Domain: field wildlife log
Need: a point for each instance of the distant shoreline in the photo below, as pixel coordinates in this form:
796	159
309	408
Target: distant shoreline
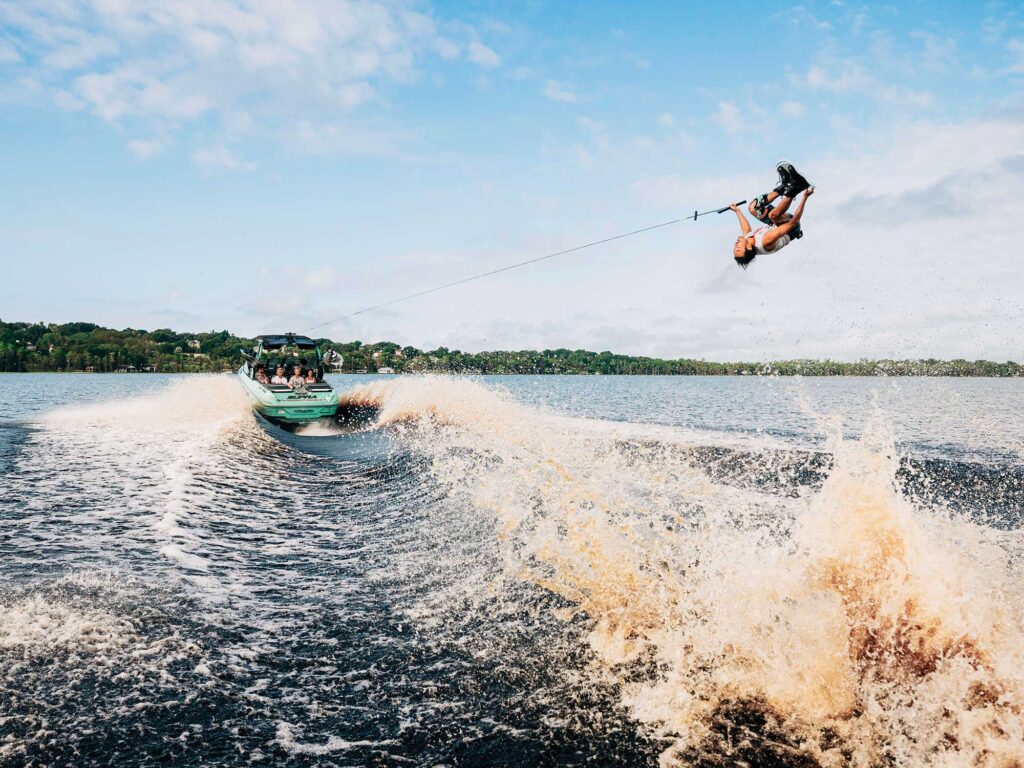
769	374
89	348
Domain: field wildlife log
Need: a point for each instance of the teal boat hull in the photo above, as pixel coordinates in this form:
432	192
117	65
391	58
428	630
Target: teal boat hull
291	407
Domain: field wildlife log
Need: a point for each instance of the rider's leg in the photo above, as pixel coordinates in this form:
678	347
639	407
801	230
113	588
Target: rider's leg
778	214
761	207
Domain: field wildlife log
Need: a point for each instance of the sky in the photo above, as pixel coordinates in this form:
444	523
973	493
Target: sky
271	165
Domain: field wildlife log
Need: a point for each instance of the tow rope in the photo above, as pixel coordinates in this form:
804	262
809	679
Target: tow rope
471	278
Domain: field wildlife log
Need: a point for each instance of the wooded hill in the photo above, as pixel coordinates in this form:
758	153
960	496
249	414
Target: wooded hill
26	347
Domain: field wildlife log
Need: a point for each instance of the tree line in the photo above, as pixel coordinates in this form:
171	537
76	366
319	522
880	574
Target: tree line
32	347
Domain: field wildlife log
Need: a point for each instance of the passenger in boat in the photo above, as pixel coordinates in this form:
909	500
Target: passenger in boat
311	376
297	379
279	377
261	374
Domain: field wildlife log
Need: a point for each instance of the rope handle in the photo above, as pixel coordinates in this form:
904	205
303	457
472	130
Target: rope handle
717	210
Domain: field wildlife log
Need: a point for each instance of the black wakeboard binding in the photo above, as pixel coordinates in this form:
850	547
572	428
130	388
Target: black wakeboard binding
761	208
795	182
781	169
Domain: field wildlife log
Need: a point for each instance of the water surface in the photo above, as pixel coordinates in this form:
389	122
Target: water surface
540	571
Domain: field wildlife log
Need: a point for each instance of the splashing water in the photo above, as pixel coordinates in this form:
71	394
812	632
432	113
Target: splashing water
525	583
851	625
199	405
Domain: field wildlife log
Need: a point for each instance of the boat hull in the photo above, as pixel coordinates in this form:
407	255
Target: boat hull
292	407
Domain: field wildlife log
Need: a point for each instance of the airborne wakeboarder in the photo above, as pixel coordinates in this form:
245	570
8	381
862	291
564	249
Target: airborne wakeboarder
781	227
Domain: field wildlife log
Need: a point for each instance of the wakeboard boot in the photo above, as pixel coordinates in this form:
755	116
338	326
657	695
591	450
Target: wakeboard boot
781	168
761	208
796	182
784	180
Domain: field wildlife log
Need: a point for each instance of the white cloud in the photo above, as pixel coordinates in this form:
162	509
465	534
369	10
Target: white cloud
598	133
854	78
1015	48
129	93
8	53
146	148
319	278
626	150
728	117
937	54
80	49
351	95
67	100
584	158
555	91
497	27
206	42
351	137
220	158
799	16
156	66
818	77
992	29
480	54
792	108
665	120
445	48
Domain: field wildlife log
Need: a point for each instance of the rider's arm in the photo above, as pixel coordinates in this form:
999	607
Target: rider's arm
774	233
744	224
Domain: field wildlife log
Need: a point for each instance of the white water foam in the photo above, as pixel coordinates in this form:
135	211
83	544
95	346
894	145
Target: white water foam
145	452
286	738
859	627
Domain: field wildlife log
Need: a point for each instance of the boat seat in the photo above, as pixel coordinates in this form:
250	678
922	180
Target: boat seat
320	386
278	387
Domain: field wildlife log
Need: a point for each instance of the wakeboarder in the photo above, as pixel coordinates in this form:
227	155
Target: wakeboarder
781	227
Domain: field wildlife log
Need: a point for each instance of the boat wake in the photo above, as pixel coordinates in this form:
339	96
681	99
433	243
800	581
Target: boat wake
562	589
850	625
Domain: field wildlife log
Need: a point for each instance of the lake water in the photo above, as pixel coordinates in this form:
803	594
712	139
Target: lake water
601	571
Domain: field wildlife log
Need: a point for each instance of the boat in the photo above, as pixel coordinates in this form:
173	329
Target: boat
280	404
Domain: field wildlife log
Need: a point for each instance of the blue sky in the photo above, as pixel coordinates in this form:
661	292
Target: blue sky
264	166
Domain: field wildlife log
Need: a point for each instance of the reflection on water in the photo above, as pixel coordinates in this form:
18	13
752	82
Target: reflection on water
519	571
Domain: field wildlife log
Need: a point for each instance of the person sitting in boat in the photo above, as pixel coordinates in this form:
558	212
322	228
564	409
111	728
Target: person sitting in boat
297	379
279	377
261	374
311	376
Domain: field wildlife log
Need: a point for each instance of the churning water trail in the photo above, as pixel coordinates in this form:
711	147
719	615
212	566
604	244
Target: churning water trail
508	585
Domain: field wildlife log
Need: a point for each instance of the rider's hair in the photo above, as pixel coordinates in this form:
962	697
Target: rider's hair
746	258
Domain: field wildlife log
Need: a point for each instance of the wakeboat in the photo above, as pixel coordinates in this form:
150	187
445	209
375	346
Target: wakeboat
281	404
